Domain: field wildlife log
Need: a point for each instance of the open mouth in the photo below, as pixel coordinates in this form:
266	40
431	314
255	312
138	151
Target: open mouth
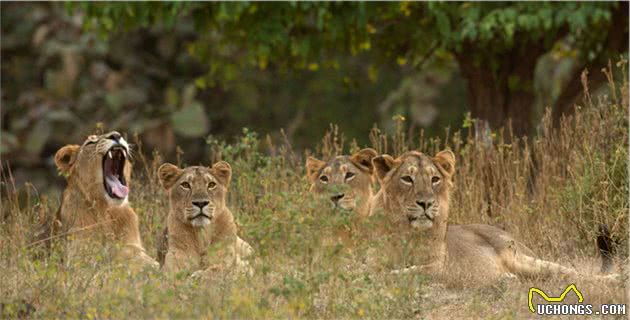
113	168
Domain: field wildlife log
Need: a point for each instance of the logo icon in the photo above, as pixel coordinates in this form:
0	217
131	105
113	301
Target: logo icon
552	299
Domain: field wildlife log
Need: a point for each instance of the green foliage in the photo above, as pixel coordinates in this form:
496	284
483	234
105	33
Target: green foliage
311	35
497	26
190	121
61	80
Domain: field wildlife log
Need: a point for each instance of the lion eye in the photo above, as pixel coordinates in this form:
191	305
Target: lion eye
407	179
212	184
435	179
91	139
323	179
185	185
349	175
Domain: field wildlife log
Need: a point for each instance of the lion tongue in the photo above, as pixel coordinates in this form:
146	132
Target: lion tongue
118	189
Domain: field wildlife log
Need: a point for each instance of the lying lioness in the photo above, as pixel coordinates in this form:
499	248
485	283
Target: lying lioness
415	192
95	201
199	221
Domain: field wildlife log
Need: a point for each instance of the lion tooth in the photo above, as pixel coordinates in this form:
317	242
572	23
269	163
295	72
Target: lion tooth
125	153
109	154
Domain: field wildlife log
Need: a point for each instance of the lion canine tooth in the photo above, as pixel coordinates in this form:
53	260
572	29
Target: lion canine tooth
109	154
125	153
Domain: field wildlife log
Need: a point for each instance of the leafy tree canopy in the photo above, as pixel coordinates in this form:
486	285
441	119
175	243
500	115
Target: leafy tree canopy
311	35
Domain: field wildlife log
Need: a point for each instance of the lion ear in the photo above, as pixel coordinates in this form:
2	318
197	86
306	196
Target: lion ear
223	172
168	174
383	164
312	167
446	161
65	158
363	159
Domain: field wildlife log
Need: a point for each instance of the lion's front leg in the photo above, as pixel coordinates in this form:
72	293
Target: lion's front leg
243	249
240	252
177	261
125	229
137	256
228	259
209	273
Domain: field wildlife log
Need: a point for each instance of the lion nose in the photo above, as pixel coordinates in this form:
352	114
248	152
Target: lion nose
425	204
114	136
201	204
337	197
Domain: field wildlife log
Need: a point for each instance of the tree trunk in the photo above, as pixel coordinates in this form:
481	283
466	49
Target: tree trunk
500	88
501	93
616	41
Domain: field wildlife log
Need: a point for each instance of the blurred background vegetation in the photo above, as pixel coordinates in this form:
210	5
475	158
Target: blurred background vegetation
177	74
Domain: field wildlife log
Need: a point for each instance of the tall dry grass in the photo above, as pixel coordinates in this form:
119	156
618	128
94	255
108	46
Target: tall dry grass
552	191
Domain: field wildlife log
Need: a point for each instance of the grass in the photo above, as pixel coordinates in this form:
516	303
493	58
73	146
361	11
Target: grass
551	191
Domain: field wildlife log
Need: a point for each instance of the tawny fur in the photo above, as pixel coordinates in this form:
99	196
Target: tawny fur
346	176
392	195
477	252
189	244
86	211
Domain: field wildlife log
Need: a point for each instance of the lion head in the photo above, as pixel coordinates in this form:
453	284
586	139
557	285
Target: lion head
100	168
415	187
196	193
345	180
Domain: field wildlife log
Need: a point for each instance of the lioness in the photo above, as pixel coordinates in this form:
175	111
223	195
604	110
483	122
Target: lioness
199	219
95	201
415	192
345	180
